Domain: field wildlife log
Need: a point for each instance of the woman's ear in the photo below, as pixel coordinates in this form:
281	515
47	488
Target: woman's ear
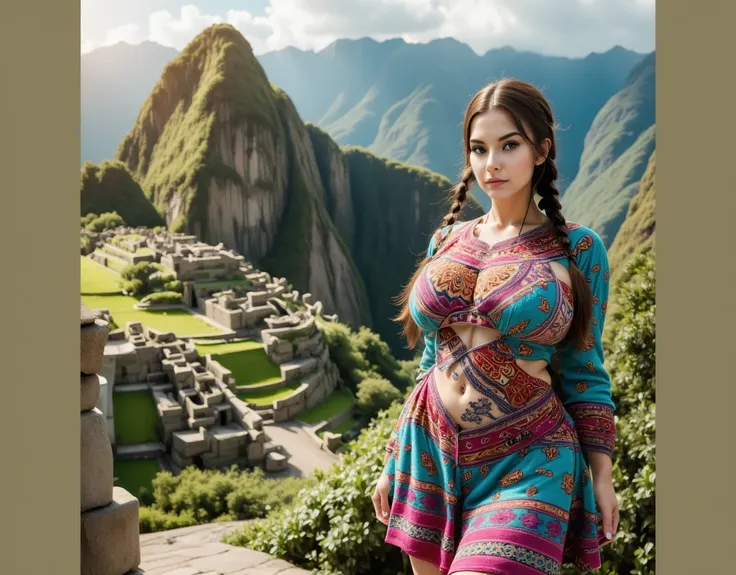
546	145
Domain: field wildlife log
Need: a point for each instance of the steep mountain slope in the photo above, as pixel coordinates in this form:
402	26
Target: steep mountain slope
111	187
617	149
637	233
406	101
115	81
225	156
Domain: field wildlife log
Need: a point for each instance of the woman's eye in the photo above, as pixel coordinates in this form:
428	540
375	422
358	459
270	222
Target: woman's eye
477	149
510	145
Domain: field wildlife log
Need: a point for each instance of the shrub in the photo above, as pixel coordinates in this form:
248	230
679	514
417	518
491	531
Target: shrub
89	218
140	271
171	297
630	360
105	221
203	496
174	285
134	287
376	394
152	520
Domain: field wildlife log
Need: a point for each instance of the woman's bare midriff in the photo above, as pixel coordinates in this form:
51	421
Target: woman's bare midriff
467	406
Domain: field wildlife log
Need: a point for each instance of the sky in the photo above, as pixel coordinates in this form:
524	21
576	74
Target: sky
572	28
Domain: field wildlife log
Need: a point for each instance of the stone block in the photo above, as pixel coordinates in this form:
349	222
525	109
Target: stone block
90	392
276	461
110	536
92	346
96	461
180	460
189	443
255	452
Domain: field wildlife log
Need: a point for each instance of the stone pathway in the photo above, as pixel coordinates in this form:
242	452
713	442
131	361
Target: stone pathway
198	551
304	454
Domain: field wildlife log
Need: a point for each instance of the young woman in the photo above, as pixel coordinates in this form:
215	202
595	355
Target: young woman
494	465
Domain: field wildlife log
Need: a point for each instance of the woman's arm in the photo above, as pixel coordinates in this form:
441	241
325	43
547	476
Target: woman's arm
585	386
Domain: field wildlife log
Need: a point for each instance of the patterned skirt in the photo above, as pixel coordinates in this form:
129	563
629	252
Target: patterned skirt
511	497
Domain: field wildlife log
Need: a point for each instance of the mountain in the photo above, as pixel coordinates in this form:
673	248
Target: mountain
406	101
638	230
223	154
617	148
401	101
115	81
111	187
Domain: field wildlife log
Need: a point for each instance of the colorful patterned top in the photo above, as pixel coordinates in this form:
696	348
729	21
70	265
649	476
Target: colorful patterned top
511	287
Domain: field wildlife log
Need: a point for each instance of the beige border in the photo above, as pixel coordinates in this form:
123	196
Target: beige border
40	287
695	318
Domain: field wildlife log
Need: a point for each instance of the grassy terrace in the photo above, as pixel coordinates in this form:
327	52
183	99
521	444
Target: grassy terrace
247	360
135	417
97	279
134	474
338	402
263	398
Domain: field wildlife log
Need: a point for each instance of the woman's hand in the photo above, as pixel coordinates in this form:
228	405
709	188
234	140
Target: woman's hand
380	499
605	495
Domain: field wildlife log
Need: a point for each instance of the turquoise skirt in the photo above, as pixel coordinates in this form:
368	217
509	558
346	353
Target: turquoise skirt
511	497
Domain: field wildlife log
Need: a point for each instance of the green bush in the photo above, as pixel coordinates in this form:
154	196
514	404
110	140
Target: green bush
89	218
134	287
363	354
211	495
171	297
140	271
376	394
152	520
105	221
332	525
174	285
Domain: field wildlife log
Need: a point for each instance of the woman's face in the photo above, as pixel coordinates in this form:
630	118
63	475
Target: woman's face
502	160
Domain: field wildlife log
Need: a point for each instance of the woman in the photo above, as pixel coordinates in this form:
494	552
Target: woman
494	466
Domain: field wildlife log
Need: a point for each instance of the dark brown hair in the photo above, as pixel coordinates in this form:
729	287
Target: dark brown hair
526	105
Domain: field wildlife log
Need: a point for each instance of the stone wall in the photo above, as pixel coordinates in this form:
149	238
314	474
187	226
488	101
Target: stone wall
109	523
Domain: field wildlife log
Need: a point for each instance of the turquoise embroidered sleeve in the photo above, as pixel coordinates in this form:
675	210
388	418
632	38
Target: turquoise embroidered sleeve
585	385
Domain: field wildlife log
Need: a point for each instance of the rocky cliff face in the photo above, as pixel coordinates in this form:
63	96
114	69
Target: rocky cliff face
223	155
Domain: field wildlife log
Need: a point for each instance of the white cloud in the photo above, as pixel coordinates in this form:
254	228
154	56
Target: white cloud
563	27
129	33
167	30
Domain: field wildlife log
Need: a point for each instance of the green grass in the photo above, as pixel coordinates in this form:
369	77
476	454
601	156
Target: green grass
338	402
179	321
345	426
267	397
134	474
247	360
144	252
97	279
135	417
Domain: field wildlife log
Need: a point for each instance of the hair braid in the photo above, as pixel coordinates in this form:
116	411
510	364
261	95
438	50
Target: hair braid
459	197
550	204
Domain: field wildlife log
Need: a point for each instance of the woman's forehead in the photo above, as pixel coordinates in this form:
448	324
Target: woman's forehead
493	124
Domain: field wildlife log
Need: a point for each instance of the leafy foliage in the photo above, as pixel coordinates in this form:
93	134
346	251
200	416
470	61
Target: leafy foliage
106	221
631	363
111	187
376	394
198	496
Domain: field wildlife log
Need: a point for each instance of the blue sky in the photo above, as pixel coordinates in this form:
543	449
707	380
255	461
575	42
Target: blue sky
564	27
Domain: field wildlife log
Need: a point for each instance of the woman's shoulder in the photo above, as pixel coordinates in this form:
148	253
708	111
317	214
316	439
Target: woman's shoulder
583	238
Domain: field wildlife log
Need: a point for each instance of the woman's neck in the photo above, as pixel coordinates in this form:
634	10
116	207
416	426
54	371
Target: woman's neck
510	212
